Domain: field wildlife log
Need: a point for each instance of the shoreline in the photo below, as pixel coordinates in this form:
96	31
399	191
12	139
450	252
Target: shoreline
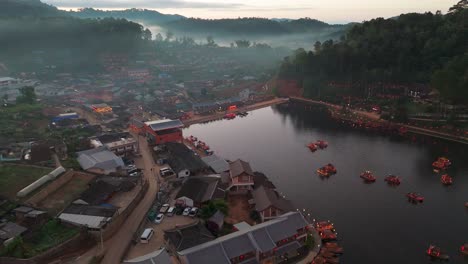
219	115
376	117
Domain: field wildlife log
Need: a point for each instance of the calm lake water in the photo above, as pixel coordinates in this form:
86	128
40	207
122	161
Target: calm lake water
375	222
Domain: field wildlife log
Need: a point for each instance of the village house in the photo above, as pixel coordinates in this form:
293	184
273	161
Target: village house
241	176
269	204
91	217
185	237
121	144
197	190
267	242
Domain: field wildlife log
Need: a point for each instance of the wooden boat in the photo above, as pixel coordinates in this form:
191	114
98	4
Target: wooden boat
436	252
415	197
368	176
323	172
393	180
312	147
321	144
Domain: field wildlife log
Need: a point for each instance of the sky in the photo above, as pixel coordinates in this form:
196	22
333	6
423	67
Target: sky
332	11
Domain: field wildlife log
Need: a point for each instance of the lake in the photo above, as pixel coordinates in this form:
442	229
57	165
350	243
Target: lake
375	222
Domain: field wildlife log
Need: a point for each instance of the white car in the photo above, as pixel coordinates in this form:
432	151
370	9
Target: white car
186	211
193	212
159	218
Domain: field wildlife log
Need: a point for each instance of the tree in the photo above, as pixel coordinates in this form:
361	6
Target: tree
460	6
147	35
28	96
169	35
212	206
159	37
242	43
317	46
210	42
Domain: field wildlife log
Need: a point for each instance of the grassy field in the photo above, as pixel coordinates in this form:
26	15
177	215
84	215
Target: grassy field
13	178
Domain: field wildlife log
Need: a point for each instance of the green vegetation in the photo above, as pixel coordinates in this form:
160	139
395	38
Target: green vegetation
310	242
15	177
22	122
49	235
409	49
214	205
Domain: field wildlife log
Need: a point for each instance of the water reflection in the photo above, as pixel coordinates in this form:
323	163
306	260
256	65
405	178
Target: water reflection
375	221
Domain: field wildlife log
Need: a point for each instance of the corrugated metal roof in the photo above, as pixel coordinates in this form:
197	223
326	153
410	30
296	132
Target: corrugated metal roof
216	163
84	220
164	124
99	158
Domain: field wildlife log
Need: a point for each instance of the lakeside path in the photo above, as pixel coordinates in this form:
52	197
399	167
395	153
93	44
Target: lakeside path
205	118
376	117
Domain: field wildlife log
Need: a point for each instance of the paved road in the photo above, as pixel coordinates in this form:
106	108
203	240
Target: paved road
118	244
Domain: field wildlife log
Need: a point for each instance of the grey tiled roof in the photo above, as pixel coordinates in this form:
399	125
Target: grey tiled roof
263	240
265	198
212	254
237	246
261	237
238	167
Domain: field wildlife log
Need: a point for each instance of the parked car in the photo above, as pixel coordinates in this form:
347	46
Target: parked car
164	208
134	174
146	235
170	211
186	211
131	167
159	218
193	212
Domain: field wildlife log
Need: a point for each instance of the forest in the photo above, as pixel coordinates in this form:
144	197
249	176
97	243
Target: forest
36	28
410	49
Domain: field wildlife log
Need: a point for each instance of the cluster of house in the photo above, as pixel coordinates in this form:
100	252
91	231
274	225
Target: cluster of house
26	218
268	242
95	208
10	88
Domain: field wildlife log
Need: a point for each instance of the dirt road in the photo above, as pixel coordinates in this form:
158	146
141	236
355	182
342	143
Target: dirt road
119	243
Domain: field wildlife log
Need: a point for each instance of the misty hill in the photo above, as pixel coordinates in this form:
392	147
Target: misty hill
150	17
250	26
28	8
35	34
